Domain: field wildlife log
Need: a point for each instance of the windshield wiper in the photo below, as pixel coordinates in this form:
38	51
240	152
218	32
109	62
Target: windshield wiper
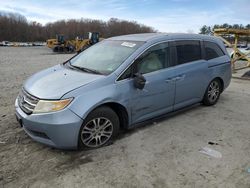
86	69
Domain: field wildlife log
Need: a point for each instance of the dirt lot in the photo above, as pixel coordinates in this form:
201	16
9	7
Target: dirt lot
161	154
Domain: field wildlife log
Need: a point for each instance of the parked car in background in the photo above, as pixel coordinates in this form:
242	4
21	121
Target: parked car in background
118	83
5	43
242	45
243	50
22	44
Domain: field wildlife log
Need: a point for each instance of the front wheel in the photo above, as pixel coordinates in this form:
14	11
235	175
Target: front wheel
100	127
212	93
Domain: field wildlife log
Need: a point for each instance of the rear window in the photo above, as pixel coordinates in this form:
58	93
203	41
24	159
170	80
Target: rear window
212	50
188	51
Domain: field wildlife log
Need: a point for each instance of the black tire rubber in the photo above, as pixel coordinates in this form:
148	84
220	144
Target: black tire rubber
61	49
206	100
105	112
55	49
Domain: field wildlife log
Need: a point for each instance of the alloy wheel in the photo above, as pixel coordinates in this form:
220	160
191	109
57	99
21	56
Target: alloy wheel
97	132
213	91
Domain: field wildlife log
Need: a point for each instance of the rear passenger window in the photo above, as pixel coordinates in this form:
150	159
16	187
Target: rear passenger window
188	51
212	50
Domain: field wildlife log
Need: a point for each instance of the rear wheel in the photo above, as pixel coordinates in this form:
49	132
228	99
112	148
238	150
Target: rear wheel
212	93
99	128
55	49
61	49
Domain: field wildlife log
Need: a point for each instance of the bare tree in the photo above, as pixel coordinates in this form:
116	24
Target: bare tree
15	27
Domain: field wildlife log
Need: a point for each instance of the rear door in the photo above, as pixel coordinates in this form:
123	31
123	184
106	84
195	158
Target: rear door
219	63
191	73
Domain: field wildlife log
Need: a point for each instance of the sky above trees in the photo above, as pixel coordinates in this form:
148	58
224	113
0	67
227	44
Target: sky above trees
163	15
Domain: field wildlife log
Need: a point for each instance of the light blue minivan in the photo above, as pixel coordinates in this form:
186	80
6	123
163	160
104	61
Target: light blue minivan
118	83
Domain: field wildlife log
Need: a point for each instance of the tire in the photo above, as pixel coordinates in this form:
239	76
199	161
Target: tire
71	49
55	49
61	49
212	93
99	128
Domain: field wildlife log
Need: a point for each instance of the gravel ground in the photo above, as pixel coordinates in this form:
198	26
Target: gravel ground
160	154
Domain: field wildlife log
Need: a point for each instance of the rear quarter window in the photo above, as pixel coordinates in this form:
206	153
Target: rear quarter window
212	50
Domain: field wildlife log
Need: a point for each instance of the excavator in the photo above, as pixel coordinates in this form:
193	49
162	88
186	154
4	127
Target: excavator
69	46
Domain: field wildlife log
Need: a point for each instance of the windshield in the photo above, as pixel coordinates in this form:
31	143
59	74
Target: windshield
106	56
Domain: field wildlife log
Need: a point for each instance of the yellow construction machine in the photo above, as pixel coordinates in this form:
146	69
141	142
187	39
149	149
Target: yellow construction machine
51	43
77	45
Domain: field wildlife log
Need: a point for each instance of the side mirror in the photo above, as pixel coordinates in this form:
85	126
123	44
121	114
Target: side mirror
139	81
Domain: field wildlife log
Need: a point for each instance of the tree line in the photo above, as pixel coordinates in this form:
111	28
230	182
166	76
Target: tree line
207	30
15	27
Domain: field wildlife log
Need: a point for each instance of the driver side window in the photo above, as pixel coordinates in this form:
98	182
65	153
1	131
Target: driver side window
155	58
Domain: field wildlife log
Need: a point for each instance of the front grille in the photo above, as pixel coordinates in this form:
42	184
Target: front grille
27	102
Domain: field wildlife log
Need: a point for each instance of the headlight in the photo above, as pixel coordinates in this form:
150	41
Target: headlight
51	105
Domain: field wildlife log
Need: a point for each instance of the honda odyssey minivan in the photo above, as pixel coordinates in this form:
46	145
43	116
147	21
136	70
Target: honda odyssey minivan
118	83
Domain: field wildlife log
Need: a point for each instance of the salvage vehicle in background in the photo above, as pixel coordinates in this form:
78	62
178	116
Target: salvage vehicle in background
245	50
21	44
6	43
118	83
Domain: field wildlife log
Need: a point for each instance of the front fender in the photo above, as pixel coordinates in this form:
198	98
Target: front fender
88	100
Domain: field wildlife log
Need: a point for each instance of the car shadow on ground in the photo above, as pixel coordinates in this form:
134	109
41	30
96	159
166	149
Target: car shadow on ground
147	124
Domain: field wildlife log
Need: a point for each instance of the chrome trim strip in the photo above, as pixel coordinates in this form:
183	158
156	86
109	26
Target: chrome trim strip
28	102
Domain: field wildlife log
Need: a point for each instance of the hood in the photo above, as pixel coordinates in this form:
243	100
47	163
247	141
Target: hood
54	82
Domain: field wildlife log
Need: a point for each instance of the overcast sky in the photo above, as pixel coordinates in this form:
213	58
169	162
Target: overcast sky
163	15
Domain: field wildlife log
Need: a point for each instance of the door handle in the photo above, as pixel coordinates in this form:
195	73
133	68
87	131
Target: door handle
180	77
177	78
169	80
